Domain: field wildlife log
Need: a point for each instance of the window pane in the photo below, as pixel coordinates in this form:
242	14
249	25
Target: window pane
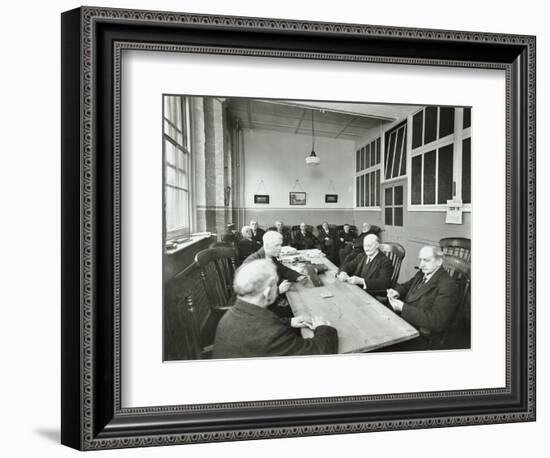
416	180
398	149
430	124
466	155
367	189
445	174
170	152
378	151
372	191
388	219
357	191
373	153
362	201
398	195
361	159
429	178
446	121
367	160
357	160
171	176
389	164
398	216
388	197
466	122
378	188
417	129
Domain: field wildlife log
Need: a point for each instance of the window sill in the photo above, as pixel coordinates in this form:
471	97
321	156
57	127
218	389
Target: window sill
175	247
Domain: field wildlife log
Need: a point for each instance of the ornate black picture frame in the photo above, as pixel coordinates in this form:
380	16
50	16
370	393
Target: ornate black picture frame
92	42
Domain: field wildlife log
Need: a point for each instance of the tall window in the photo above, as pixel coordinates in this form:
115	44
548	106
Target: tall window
393	203
395	157
177	165
367	181
440	157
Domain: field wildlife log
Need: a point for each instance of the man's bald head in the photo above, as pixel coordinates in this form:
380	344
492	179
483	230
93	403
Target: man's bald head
371	244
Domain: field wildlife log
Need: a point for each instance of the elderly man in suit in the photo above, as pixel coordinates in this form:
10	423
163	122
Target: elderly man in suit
344	243
257	232
429	300
280	228
272	244
250	330
246	246
371	270
356	247
327	240
304	239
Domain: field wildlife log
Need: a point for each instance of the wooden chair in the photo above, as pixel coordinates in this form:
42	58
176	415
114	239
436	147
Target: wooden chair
459	269
222	245
217	268
189	328
457	246
396	253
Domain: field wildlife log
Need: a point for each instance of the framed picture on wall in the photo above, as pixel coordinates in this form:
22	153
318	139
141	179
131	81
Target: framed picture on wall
129	306
296	198
261	198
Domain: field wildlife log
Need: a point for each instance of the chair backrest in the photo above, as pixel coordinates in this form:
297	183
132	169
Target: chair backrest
459	270
457	246
217	268
188	321
296	228
396	252
222	245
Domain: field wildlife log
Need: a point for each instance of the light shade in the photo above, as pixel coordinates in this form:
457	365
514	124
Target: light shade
312	159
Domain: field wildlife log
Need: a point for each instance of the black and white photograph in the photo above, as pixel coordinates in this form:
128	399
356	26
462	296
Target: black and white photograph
381	266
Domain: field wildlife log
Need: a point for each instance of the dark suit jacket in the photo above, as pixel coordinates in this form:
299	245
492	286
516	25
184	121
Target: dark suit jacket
284	272
285	233
247	331
245	248
258	237
430	305
304	242
377	273
323	235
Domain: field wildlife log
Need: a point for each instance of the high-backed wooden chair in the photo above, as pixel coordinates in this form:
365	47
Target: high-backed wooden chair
189	327
396	252
217	268
459	270
457	246
222	245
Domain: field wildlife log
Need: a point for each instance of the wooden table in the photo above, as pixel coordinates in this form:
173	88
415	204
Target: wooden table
363	323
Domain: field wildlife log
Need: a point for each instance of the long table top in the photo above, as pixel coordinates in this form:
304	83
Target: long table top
363	323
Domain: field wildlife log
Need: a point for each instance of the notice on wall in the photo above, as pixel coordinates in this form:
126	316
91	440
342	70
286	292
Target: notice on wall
454	211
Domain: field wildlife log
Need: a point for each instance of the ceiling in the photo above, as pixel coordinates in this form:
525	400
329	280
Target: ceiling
342	120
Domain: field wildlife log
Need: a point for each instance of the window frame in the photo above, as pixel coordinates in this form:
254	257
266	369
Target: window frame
186	231
455	139
360	183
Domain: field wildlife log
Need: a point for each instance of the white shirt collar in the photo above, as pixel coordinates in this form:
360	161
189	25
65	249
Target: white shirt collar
428	276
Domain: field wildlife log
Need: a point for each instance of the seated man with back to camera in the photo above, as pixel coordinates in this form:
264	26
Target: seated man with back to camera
249	329
428	300
371	270
304	239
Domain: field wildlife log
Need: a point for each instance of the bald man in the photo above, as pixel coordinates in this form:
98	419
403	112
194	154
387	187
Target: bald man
371	270
249	329
429	300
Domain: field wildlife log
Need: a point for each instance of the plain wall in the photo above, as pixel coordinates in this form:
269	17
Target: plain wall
30	339
273	161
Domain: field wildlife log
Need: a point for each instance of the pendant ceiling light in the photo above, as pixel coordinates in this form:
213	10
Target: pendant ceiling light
312	159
